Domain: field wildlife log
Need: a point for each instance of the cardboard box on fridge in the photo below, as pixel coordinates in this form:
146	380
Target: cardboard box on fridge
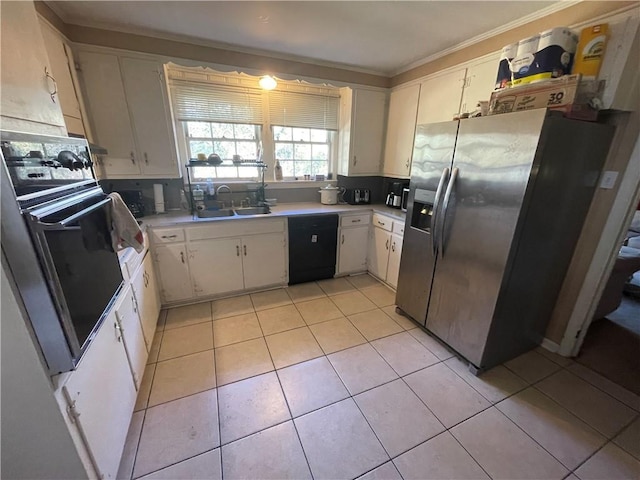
570	94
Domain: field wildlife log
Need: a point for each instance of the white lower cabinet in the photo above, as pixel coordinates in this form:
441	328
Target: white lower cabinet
393	268
216	266
101	395
221	258
173	272
131	331
385	248
145	291
353	238
263	260
379	245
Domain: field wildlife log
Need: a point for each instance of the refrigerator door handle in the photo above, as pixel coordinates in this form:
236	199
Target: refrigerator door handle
436	204
445	207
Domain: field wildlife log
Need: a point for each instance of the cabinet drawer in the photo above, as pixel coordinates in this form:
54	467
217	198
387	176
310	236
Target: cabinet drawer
235	228
354	220
382	222
167	235
398	227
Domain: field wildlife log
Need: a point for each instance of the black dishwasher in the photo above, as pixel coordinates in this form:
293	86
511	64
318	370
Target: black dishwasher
313	242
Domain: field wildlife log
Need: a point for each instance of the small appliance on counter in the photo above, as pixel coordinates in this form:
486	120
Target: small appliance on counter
357	196
394	197
329	195
405	199
133	199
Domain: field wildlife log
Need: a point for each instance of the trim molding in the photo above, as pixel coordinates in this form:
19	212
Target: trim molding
549	345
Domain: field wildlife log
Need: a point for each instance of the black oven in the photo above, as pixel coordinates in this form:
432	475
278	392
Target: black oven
56	241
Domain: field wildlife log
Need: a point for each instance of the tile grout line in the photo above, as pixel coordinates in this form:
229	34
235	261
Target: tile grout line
217	389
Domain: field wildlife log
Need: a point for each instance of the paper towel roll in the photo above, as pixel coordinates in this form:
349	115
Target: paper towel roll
158	197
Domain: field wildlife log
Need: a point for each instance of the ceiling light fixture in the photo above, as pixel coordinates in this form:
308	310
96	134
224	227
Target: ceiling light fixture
267	82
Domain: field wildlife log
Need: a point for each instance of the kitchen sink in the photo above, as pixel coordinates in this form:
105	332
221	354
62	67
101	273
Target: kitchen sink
253	210
222	212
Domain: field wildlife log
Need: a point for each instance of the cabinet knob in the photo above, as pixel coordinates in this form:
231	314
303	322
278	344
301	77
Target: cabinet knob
393	247
146	158
355	160
237	250
244	247
407	164
182	257
342	240
387	244
133	158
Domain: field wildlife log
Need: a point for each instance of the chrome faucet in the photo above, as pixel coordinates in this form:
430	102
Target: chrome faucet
221	187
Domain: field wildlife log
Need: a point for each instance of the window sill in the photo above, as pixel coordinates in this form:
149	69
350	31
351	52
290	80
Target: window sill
284	184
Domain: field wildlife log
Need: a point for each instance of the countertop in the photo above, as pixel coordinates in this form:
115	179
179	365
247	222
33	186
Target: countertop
283	210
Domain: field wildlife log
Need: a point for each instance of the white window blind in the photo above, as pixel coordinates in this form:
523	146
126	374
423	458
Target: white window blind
304	110
216	103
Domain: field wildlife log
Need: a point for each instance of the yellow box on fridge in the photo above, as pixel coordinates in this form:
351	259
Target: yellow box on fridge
590	50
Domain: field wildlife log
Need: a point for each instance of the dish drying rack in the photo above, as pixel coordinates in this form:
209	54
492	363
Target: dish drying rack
260	165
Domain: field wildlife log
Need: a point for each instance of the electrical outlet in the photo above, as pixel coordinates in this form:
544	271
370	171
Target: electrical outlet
608	179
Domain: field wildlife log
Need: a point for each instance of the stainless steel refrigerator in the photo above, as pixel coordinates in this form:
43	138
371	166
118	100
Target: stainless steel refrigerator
496	205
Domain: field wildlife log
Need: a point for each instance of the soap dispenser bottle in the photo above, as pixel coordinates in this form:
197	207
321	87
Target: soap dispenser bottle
278	171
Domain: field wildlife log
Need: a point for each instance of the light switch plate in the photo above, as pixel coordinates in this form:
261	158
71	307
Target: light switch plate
608	180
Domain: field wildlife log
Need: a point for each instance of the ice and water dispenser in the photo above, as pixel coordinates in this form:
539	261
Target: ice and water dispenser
422	211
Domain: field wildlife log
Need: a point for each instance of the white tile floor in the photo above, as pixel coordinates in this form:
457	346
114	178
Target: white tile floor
325	380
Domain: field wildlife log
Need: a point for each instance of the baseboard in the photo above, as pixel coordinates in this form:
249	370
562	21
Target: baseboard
547	344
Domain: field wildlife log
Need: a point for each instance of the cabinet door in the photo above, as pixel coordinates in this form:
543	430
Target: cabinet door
352	253
131	330
26	103
263	258
479	83
367	131
107	109
440	97
148	104
216	266
401	125
145	290
101	394
173	272
394	260
379	245
57	50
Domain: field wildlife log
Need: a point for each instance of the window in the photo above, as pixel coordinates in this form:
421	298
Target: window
302	151
226	114
226	140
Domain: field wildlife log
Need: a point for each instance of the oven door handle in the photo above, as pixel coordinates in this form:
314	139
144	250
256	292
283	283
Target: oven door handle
62	224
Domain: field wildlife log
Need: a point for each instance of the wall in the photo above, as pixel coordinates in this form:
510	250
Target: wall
35	440
573	15
618	160
190	49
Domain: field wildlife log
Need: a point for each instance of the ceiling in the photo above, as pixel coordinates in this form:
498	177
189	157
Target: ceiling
382	37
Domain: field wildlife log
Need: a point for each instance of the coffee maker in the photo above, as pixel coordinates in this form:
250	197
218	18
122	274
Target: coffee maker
394	197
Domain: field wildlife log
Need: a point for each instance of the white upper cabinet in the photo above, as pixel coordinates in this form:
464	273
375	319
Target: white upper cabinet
28	102
479	83
61	62
440	97
107	109
147	98
128	108
362	127
401	125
